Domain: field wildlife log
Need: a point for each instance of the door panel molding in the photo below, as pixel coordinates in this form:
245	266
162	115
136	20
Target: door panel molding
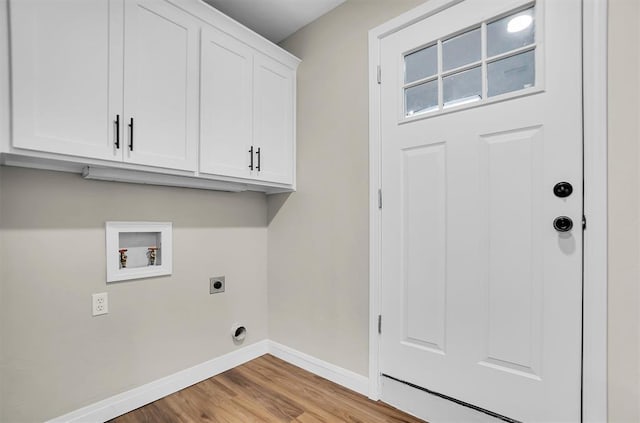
510	162
594	27
424	229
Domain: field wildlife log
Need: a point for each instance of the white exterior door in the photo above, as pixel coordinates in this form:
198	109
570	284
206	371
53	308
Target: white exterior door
481	293
67	76
160	85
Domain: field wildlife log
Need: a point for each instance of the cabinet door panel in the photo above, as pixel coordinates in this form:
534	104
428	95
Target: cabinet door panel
226	105
67	75
161	84
273	119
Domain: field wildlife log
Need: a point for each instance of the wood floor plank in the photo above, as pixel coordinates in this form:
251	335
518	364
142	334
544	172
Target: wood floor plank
315	388
308	418
313	391
266	390
283	408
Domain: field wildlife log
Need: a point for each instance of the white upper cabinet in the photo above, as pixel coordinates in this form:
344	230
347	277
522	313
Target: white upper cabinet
247	109
273	128
67	88
160	85
106	79
226	113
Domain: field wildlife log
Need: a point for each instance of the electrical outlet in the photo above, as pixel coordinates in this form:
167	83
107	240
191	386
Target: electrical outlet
100	303
216	284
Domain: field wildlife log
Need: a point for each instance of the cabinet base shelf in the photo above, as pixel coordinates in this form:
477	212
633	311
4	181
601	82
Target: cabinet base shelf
148	178
138	175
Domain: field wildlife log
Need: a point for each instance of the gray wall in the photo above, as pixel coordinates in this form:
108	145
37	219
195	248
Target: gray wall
624	213
319	237
56	356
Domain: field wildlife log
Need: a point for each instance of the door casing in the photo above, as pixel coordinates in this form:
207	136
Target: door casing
594	333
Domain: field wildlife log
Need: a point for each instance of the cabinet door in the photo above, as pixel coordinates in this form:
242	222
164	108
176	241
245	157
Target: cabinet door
160	85
67	75
226	107
273	119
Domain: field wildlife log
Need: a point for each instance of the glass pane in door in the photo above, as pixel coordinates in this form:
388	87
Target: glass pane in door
511	74
463	87
511	32
420	64
421	98
461	50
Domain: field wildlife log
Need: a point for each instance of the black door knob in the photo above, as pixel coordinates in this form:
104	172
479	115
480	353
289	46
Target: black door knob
562	189
563	224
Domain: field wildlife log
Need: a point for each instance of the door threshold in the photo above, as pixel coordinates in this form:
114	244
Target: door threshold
435	406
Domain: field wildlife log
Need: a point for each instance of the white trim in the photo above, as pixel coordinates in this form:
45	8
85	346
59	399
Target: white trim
5	88
594	387
374	214
419	13
130	400
595	201
120	404
336	374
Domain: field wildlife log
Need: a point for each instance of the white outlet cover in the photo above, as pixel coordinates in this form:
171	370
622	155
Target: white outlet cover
100	303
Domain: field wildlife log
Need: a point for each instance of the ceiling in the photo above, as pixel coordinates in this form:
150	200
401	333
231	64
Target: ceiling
274	19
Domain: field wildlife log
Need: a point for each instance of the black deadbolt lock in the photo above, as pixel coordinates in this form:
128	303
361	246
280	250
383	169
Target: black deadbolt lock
562	189
563	224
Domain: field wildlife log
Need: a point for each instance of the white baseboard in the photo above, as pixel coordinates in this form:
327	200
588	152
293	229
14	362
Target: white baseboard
336	374
130	400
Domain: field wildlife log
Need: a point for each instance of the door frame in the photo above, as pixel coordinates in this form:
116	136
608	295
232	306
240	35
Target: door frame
594	70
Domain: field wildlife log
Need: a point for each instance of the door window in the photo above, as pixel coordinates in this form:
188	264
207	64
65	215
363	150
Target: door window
495	58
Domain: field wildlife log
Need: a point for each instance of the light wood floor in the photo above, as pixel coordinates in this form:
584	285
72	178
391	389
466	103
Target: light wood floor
266	390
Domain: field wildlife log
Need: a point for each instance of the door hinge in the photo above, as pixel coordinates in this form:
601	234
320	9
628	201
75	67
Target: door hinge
584	222
380	198
380	323
379	73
